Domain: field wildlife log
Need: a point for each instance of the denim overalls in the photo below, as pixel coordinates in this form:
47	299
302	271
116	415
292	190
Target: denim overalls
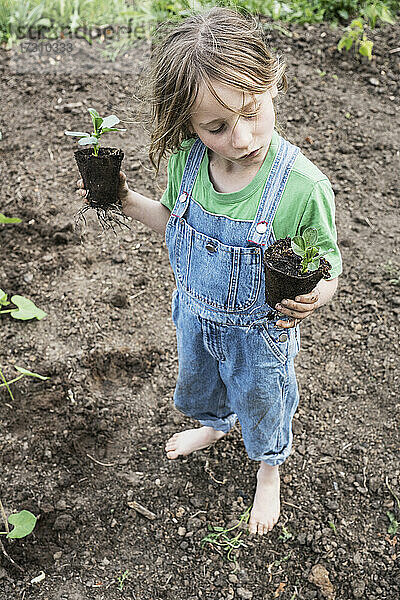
233	362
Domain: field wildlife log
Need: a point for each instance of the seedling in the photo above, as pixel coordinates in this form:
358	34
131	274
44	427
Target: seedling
4	219
100	126
305	246
285	535
24	372
353	35
332	526
122	578
222	542
394	524
23	524
99	169
26	309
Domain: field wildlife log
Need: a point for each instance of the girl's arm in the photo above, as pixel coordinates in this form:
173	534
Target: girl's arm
149	212
304	306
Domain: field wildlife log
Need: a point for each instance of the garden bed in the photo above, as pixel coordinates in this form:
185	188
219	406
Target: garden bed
77	448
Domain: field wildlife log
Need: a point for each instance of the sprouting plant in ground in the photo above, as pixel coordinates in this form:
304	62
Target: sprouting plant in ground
352	35
394	524
278	562
24	308
304	245
100	127
285	535
393	271
23	524
122	578
332	526
4	219
224	541
24	372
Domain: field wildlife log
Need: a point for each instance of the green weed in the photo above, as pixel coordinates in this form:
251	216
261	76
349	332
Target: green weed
122	578
285	535
223	541
332	526
394	524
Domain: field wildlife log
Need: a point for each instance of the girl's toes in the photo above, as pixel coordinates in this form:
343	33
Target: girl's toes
262	529
172	454
252	527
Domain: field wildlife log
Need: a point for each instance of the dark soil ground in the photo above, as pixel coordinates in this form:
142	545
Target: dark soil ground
77	448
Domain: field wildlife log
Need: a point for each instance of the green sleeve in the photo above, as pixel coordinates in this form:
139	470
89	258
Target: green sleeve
320	213
176	166
168	198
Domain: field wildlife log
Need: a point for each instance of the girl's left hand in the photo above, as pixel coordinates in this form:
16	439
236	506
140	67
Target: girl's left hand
298	309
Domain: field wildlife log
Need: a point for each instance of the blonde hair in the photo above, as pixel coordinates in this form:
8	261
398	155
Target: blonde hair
217	44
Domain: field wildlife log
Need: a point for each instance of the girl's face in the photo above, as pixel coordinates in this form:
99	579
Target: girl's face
230	136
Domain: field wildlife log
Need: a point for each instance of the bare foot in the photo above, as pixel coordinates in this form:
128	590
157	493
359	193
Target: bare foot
266	505
185	442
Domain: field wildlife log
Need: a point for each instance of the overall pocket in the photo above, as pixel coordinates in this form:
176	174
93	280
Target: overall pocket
283	343
224	277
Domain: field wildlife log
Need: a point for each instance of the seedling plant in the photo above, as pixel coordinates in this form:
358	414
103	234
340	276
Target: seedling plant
100	171
23	524
100	127
305	246
223	541
394	525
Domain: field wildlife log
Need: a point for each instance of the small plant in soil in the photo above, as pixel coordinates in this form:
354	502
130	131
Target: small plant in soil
294	267
23	524
225	543
305	246
394	523
99	169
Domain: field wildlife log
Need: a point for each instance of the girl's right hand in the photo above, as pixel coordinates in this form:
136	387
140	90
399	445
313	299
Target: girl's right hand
123	190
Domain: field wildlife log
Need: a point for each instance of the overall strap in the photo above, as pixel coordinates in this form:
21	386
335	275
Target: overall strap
189	177
261	228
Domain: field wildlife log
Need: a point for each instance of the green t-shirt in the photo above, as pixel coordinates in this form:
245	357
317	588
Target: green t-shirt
307	200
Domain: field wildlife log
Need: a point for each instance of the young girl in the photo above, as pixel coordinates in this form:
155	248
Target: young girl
234	186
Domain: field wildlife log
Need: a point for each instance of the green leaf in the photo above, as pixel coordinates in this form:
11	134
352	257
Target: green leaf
298	240
297	250
313	266
88	140
24	523
77	133
97	124
110	121
366	48
386	16
95	115
30	373
108	129
4	219
3	298
310	236
26	309
93	112
394	524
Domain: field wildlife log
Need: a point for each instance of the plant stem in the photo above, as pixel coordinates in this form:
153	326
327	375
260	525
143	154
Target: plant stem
4	517
7	386
3	312
6	383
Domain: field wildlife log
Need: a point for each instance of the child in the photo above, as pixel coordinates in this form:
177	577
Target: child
234	186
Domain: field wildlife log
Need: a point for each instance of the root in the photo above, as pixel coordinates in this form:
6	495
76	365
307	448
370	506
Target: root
108	217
